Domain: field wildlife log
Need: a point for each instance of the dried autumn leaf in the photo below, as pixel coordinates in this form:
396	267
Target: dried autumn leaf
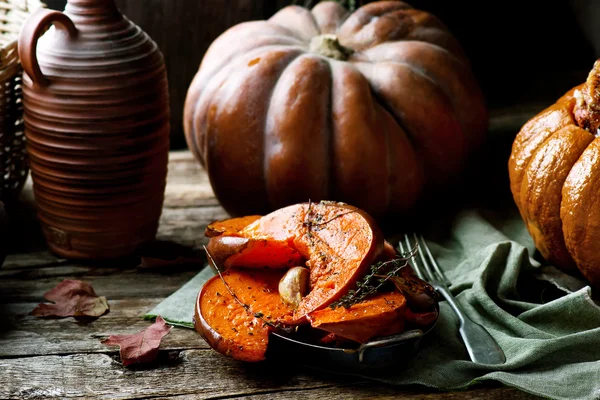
141	347
72	298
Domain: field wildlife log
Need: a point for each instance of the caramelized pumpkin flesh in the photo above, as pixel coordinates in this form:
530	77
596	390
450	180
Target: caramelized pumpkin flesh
227	324
380	315
339	242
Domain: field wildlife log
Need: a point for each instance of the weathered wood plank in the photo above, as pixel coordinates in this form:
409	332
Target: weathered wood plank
48	272
190	204
114	284
23	335
384	392
187	183
36	259
29	336
202	373
185	226
189	195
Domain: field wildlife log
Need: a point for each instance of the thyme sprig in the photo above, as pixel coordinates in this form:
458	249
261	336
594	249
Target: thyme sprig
377	276
245	306
315	220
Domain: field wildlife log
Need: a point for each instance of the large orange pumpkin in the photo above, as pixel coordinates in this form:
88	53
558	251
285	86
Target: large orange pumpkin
555	179
368	108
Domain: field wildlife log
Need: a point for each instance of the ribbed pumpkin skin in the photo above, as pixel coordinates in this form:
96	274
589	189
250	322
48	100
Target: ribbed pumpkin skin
274	123
555	180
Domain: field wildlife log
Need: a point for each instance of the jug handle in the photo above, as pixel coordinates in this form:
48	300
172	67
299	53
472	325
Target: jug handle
33	28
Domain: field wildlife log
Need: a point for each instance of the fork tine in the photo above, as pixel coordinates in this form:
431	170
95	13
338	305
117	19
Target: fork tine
426	266
401	247
418	270
440	274
480	345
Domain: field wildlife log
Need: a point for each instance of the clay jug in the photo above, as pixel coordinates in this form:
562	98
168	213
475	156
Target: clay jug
95	95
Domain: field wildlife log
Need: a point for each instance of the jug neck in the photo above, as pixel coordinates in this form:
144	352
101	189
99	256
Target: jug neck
91	7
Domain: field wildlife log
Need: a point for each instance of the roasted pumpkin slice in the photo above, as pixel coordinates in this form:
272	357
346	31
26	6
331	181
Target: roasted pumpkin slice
380	315
238	328
231	226
338	241
235	251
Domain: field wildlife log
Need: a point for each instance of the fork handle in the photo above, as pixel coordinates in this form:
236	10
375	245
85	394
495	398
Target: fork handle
481	346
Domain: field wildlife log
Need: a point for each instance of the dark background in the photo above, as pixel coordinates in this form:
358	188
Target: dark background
522	52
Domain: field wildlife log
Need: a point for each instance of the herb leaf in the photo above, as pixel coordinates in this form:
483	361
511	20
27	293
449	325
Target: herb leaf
374	280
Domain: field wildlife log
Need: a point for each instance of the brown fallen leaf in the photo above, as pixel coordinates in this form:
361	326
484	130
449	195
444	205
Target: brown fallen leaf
72	298
141	347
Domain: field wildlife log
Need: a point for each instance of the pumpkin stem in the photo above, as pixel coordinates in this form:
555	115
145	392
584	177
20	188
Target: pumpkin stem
587	106
328	45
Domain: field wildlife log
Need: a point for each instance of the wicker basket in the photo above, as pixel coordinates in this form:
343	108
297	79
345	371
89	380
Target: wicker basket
14	167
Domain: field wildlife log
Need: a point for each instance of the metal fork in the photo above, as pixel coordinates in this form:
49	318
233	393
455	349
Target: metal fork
481	346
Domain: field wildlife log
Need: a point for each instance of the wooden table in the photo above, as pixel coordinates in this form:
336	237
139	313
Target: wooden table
63	358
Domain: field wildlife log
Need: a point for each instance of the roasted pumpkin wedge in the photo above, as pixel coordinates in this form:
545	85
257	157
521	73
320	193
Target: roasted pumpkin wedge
380	315
338	241
235	251
237	327
231	226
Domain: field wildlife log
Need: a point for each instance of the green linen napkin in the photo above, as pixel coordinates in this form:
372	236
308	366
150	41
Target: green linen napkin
546	323
178	309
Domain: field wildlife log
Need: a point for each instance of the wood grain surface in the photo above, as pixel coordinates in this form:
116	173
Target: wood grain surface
63	358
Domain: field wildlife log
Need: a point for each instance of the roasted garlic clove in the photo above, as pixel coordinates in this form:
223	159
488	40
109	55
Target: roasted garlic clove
294	286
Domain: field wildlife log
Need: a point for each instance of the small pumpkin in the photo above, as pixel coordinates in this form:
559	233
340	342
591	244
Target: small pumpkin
370	108
555	179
